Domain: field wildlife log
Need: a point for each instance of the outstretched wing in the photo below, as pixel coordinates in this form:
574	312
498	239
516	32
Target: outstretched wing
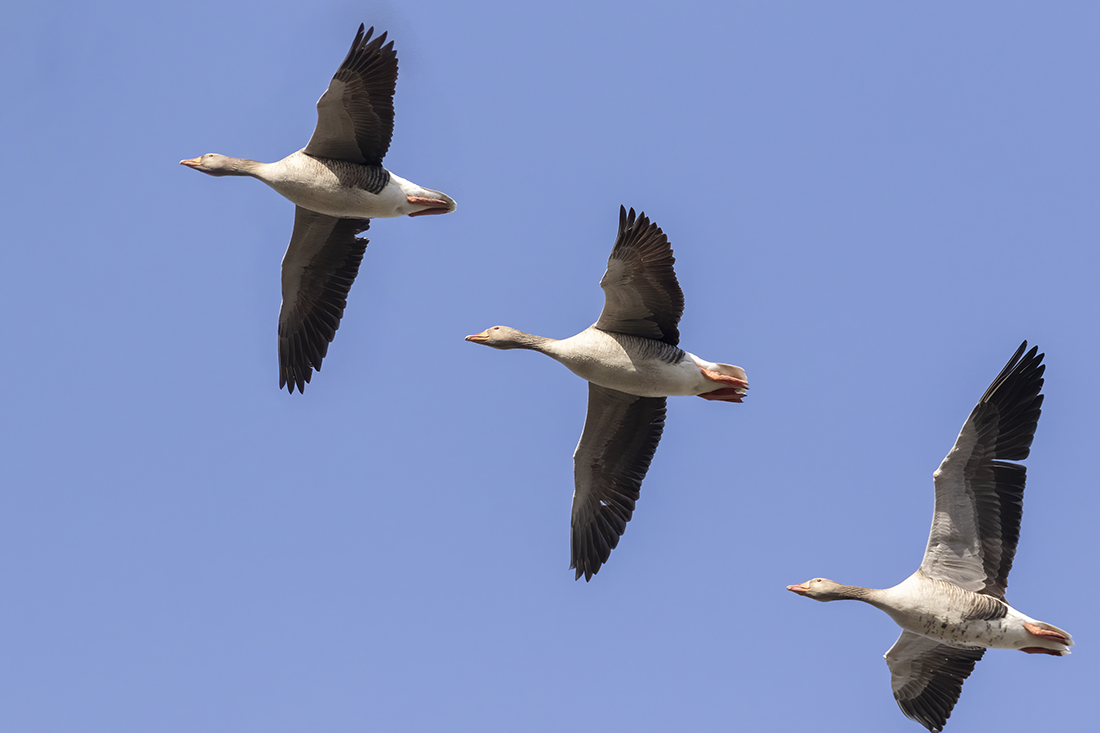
318	269
620	436
641	294
927	677
355	114
979	496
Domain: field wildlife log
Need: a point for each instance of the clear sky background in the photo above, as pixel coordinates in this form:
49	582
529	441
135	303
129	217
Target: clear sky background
871	206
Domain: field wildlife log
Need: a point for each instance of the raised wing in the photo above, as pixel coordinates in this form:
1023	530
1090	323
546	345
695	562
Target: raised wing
641	294
979	496
620	436
927	677
355	114
318	269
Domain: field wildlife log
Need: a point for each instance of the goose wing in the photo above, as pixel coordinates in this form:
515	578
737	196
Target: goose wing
641	294
979	495
355	114
318	269
927	677
620	436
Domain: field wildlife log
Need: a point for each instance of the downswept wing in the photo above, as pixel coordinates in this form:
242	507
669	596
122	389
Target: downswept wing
318	269
641	294
355	114
927	677
979	496
620	436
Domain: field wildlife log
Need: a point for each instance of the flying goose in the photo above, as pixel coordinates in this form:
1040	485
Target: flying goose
953	607
338	185
632	363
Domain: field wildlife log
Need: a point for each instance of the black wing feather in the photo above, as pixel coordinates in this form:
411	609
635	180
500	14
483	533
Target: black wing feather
355	114
319	268
620	436
979	494
641	294
927	677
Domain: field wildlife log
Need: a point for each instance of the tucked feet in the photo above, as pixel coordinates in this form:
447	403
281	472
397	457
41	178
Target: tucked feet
1046	634
732	393
436	206
723	378
726	394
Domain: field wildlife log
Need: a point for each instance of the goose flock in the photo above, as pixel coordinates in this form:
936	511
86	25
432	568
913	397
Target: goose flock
950	610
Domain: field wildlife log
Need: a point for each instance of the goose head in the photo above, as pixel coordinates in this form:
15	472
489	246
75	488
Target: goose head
502	337
821	589
214	164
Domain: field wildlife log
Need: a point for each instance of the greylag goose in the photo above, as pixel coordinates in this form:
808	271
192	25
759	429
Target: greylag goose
953	607
632	363
338	185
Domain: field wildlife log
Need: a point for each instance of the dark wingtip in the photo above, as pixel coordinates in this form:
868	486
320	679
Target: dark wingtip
363	39
629	220
290	379
1026	366
585	571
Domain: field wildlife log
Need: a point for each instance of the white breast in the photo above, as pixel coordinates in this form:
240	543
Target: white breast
610	361
307	183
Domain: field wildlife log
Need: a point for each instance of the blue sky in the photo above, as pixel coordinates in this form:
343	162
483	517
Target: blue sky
871	206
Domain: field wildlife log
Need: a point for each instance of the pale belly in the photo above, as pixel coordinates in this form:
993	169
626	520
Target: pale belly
953	616
346	203
608	363
661	380
314	186
987	634
946	624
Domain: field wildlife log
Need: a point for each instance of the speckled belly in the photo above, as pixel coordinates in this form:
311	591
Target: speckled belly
967	634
